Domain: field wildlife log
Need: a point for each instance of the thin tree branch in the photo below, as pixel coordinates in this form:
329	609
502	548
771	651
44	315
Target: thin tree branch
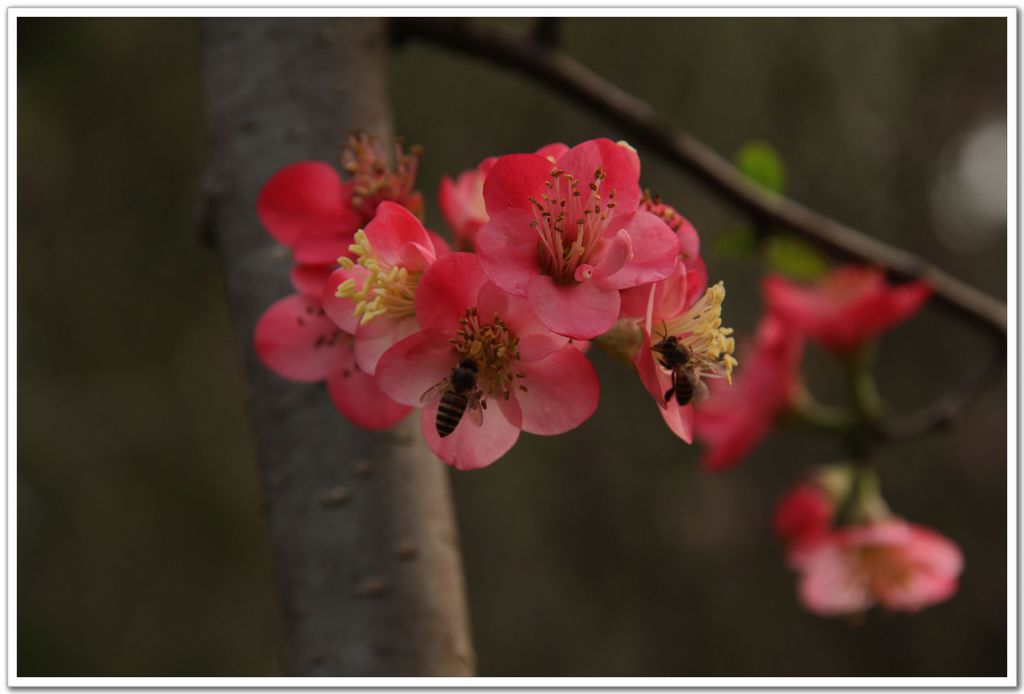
641	121
941	413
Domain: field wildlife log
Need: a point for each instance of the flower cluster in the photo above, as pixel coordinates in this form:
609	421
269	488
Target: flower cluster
556	248
867	557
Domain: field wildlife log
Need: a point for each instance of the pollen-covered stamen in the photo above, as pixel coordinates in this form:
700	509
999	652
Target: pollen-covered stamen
700	330
496	350
387	290
570	223
373	179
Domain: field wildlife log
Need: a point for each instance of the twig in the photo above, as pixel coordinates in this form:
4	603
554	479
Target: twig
941	413
641	121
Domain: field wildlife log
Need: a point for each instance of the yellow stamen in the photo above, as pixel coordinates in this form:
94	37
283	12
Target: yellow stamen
387	290
700	330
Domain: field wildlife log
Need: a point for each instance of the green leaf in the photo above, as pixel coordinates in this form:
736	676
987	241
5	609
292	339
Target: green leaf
737	241
795	259
761	163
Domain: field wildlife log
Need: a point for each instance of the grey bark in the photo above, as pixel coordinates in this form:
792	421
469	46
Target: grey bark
363	536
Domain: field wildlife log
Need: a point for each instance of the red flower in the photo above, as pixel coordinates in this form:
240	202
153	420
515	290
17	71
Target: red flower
529	379
698	331
734	420
804	514
462	200
308	208
372	296
296	340
891	563
568	236
689	244
846	309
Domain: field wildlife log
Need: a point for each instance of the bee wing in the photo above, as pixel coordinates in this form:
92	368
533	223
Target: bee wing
475	410
434	392
700	388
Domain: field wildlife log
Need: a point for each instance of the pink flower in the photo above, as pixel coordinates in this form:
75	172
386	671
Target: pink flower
696	335
849	307
733	421
462	200
529	378
372	296
891	563
569	235
689	244
308	208
296	340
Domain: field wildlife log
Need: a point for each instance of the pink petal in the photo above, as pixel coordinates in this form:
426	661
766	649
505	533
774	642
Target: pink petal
507	246
653	377
392	228
830	585
535	339
472	447
513	179
296	340
377	337
689	240
447	289
342	311
416	257
696	280
621	166
580	310
552	152
415	364
618	251
655	250
679	420
309	280
561	392
360	400
321	249
304	196
441	246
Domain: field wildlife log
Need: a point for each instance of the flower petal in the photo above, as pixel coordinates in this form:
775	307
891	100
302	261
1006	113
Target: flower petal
377	336
507	246
414	365
620	165
655	250
535	339
472	447
309	280
392	228
561	392
358	397
447	289
296	340
342	311
513	180
303	197
580	310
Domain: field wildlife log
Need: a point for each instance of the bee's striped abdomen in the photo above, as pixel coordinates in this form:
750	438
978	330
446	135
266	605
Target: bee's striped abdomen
684	390
449	412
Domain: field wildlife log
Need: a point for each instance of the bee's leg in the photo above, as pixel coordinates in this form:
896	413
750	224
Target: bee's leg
668	394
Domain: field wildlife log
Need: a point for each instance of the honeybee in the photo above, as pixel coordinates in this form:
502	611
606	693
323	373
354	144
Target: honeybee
677	358
458	395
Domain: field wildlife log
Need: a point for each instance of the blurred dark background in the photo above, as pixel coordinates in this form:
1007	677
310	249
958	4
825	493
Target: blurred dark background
607	551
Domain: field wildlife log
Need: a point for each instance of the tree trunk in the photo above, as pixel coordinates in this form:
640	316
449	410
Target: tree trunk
363	536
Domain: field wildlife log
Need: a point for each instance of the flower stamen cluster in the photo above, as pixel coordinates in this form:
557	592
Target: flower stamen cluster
700	330
494	347
570	225
373	179
387	289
